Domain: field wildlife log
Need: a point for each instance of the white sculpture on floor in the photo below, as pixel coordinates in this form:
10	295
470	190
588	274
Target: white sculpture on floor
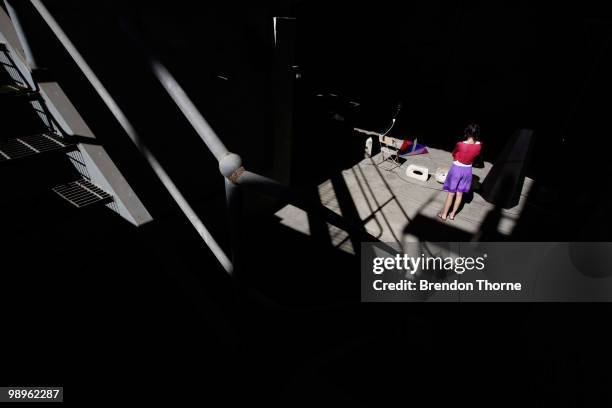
441	173
368	147
418	172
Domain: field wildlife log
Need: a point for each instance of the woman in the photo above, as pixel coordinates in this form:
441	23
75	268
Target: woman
459	177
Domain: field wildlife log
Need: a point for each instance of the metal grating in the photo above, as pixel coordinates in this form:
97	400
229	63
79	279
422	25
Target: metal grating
30	145
82	193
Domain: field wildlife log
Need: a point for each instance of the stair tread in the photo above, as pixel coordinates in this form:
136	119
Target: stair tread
24	146
81	193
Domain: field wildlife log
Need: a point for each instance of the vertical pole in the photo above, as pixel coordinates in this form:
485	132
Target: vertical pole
233	195
231	168
284	78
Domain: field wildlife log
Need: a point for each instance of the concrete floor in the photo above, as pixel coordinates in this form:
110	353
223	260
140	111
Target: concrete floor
387	200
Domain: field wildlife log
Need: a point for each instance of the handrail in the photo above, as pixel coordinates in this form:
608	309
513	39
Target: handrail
180	98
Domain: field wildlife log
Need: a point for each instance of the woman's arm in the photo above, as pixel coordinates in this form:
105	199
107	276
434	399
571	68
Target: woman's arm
455	150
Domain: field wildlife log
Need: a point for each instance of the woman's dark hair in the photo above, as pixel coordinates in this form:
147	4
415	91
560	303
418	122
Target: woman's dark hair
472	130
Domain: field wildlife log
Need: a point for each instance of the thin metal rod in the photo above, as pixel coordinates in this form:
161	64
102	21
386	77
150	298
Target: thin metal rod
176	92
131	132
233	196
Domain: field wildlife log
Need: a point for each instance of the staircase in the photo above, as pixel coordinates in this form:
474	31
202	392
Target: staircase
35	156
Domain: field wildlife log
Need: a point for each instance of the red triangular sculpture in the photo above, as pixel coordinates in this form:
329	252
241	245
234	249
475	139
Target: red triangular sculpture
408	149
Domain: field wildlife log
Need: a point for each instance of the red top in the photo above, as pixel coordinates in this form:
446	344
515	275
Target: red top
466	152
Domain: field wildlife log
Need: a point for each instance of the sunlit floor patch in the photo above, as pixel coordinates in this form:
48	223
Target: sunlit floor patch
387	200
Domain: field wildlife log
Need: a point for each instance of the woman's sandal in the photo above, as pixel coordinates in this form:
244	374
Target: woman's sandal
440	217
452	218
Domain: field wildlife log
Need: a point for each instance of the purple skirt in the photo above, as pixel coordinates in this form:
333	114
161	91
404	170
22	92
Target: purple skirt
458	179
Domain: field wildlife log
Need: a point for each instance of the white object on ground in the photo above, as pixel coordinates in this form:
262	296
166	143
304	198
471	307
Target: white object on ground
441	173
368	147
417	172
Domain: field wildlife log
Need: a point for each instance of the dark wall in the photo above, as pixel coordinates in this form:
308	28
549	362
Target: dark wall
503	64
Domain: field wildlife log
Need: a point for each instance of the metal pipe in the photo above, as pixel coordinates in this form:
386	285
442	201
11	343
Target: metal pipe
233	196
176	92
229	163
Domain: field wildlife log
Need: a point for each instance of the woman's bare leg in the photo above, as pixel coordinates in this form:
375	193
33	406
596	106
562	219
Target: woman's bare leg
457	204
447	205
